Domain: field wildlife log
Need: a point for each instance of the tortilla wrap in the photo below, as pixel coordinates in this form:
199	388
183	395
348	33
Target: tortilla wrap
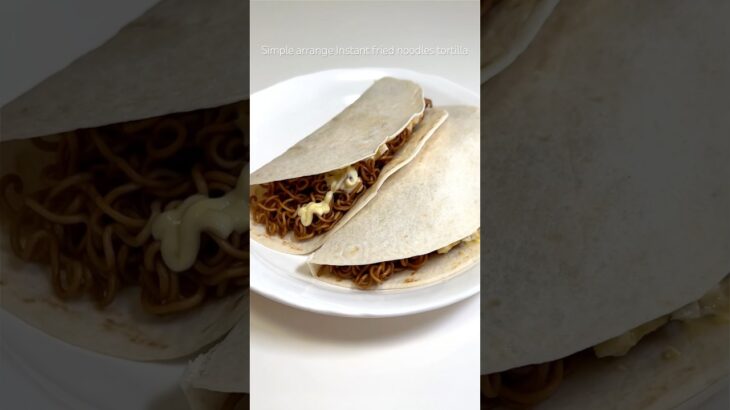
608	207
664	371
431	120
224	369
382	112
174	50
431	203
183	55
507	31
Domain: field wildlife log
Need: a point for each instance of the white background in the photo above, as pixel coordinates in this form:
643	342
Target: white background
305	360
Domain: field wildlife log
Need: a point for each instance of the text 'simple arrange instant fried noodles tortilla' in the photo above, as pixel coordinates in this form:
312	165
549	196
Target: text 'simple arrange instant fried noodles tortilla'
317	185
610	209
425	217
87	211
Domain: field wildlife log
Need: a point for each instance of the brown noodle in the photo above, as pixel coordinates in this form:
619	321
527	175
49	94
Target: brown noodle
91	225
276	206
526	387
365	276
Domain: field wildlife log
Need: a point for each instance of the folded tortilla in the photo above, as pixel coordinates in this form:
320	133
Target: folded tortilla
429	205
212	377
184	56
677	367
608	205
507	30
386	109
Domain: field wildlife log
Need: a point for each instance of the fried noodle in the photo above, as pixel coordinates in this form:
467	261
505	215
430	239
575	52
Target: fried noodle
276	206
91	223
365	276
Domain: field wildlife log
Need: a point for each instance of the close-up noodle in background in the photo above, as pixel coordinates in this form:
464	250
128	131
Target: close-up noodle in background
91	222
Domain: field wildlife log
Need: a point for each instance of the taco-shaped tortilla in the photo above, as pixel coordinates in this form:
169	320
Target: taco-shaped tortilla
219	378
670	361
608	210
317	185
124	198
508	27
423	226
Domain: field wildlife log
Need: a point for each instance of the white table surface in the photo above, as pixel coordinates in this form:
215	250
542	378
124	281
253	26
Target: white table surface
305	360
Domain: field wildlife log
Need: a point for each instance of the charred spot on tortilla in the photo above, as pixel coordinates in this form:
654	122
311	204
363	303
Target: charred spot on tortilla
132	334
56	304
158	204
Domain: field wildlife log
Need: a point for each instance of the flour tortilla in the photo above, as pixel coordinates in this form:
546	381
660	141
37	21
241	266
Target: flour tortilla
429	204
508	30
185	55
224	369
181	55
607	206
382	112
431	121
677	367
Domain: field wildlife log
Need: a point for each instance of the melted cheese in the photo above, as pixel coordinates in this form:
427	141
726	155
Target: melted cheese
619	346
716	303
471	238
306	212
179	229
344	179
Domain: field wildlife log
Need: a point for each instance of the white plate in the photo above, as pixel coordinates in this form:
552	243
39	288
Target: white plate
288	111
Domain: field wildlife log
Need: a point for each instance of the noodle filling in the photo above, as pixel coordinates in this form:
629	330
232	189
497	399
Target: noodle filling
312	205
366	276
